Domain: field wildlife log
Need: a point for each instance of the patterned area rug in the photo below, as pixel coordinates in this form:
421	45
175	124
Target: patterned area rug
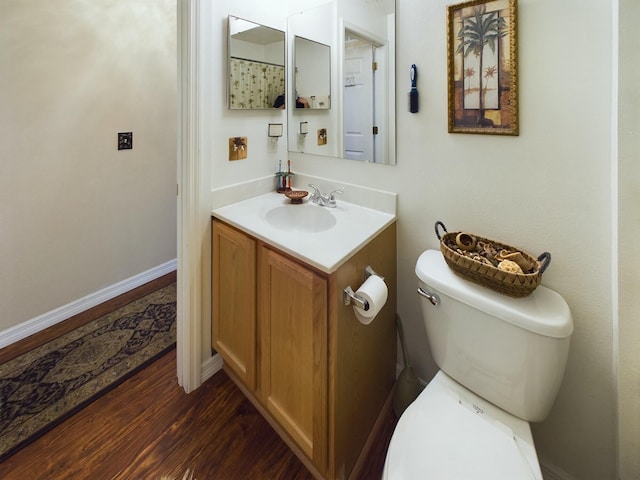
43	387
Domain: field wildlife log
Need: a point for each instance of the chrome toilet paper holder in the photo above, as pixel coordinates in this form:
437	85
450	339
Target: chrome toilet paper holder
349	296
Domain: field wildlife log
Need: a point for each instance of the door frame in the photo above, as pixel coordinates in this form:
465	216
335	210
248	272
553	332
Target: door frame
189	199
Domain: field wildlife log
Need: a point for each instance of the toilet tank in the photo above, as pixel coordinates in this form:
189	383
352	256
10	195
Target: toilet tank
510	351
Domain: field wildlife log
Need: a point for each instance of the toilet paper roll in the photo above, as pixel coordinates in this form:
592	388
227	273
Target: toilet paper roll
374	291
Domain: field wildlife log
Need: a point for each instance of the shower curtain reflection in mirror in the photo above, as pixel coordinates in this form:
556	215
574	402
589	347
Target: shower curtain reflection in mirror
255	84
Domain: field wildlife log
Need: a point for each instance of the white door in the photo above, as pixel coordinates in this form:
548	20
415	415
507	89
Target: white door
358	103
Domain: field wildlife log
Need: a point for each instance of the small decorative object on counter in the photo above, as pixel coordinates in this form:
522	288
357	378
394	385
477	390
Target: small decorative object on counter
279	178
495	265
283	179
289	174
296	196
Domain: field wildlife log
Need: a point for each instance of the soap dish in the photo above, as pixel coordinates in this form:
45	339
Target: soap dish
296	196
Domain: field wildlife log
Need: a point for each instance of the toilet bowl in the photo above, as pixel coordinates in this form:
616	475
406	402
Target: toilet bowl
449	433
501	364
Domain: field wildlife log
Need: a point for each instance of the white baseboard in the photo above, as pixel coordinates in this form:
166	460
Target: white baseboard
211	366
48	319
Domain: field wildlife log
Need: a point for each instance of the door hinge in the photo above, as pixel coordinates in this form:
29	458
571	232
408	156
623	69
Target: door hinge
374	66
375	130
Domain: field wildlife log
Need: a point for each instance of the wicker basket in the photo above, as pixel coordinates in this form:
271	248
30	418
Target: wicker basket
507	283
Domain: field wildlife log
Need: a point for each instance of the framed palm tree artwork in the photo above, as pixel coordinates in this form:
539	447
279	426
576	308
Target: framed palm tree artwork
482	67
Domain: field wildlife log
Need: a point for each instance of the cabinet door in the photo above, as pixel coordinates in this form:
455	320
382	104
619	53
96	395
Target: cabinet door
293	359
234	301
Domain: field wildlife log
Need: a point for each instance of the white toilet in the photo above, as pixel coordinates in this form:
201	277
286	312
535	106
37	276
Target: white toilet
501	364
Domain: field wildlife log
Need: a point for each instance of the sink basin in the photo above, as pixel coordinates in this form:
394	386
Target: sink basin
305	218
318	236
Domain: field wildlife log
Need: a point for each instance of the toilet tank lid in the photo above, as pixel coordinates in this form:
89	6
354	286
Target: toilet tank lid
544	311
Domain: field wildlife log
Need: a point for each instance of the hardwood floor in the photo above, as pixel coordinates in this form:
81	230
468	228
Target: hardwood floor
147	428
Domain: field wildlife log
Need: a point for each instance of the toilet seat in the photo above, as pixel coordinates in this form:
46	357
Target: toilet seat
450	433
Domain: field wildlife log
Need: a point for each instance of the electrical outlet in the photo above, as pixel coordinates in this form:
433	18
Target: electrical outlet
125	140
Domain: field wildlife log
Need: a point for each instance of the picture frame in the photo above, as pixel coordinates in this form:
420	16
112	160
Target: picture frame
482	67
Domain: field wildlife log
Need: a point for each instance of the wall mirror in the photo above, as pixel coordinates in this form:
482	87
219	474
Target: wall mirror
312	74
256	75
360	124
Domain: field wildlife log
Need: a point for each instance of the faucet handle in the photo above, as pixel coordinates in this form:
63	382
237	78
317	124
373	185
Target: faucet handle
332	195
331	200
316	196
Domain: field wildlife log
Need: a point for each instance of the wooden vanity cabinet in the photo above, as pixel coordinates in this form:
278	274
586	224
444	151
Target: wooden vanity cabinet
319	377
292	326
234	301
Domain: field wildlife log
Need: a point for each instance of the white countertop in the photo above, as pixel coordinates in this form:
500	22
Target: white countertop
355	226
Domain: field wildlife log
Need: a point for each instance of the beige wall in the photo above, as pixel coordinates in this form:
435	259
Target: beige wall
76	215
629	231
548	189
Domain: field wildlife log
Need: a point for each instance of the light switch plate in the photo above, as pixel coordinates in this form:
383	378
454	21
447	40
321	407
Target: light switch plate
238	147
322	136
125	140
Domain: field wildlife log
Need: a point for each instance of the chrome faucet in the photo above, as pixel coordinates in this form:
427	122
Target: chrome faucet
324	200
